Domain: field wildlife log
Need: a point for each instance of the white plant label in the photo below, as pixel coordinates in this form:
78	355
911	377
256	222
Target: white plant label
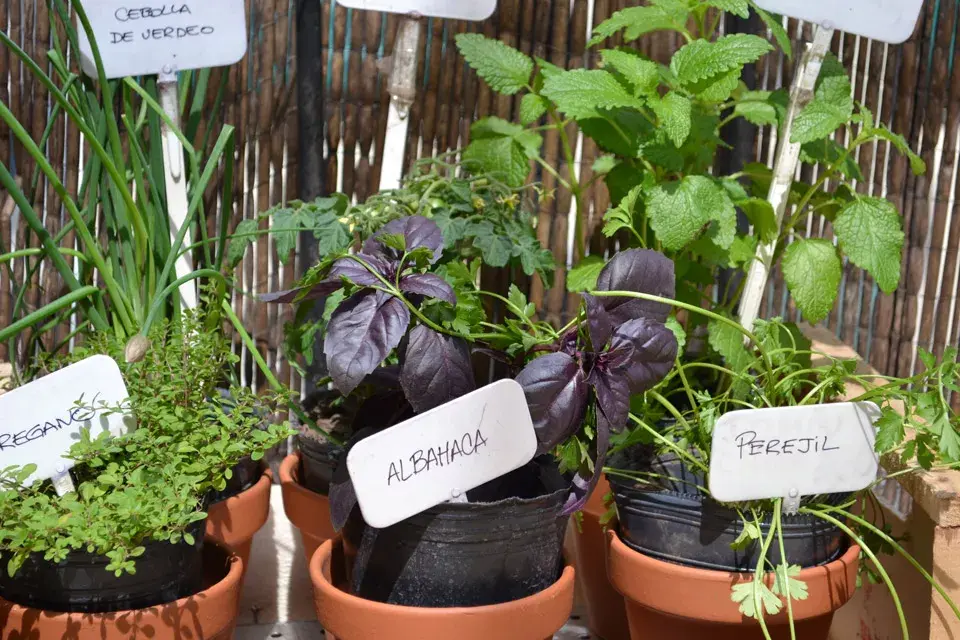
794	451
439	455
39	422
140	38
450	9
885	20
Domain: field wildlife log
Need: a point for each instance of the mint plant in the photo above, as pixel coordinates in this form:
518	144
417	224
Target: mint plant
660	127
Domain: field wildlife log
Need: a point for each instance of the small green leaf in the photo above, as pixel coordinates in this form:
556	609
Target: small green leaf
604	164
762	217
642	74
759	112
786	583
333	235
239	241
743	594
827	151
502	149
584	276
505	69
581	93
621	216
674	112
680	211
737	7
890	431
678	331
812	271
532	107
949	442
701	59
917	165
831	107
284	229
775	24
727	341
660	15
871	235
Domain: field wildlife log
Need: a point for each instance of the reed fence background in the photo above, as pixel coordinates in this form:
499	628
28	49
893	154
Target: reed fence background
912	87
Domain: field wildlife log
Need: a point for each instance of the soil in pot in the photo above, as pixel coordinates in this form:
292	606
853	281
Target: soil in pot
668	518
348	617
505	544
668	601
81	583
210	612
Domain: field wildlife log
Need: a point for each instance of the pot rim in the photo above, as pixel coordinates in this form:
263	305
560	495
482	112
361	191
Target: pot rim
220	602
238	518
704	594
349	617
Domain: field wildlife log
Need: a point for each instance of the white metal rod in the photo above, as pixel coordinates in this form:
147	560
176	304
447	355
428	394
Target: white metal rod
176	181
784	168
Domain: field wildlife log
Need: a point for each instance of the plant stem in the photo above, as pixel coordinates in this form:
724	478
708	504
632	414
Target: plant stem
784	566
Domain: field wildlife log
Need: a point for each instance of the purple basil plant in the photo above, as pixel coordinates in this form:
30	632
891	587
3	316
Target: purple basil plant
618	346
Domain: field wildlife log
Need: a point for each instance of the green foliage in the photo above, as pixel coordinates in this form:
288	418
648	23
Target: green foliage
501	149
831	107
660	15
703	60
681	211
871	235
584	276
150	483
812	271
505	69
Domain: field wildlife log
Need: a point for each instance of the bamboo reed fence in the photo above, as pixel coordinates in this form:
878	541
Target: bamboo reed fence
912	87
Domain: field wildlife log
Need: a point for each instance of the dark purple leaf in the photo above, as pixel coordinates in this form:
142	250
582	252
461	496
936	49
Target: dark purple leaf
643	351
358	274
556	392
598	321
436	369
643	271
361	334
583	486
343	499
417	232
430	285
612	389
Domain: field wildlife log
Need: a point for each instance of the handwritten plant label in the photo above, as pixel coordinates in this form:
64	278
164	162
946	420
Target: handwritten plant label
39	422
140	38
439	455
885	20
793	451
451	9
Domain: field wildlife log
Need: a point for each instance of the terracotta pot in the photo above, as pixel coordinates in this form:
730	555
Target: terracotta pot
234	521
308	511
210	614
606	611
669	601
347	617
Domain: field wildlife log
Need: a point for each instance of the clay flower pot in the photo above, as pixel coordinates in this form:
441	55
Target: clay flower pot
210	614
347	617
308	511
606	611
234	521
669	601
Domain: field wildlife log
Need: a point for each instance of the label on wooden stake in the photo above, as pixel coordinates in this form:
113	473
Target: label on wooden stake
39	422
890	21
439	455
450	9
793	452
140	38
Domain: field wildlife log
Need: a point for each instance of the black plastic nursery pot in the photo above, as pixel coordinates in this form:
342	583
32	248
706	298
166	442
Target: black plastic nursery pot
503	545
318	460
670	519
81	583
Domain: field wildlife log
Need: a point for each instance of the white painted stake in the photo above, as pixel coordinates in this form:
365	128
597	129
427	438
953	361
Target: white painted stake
176	180
784	168
403	91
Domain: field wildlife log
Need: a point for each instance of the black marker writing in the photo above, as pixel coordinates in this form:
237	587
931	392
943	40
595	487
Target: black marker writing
423	460
750	445
52	425
123	14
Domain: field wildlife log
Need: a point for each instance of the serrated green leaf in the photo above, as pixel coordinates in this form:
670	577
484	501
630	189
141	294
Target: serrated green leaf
532	107
786	583
284	228
759	112
240	241
584	276
949	442
642	74
829	152
917	165
660	15
761	215
678	331
505	69
621	216
701	59
812	271
717	88
743	250
673	112
890	431
501	149
727	341
871	235
548	69
581	92
743	594
775	25
748	534
496	249
737	7
680	211
831	107
333	235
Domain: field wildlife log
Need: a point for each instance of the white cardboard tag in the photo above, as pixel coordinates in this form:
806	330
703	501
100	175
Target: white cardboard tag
141	38
792	452
439	455
450	9
39	422
885	20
